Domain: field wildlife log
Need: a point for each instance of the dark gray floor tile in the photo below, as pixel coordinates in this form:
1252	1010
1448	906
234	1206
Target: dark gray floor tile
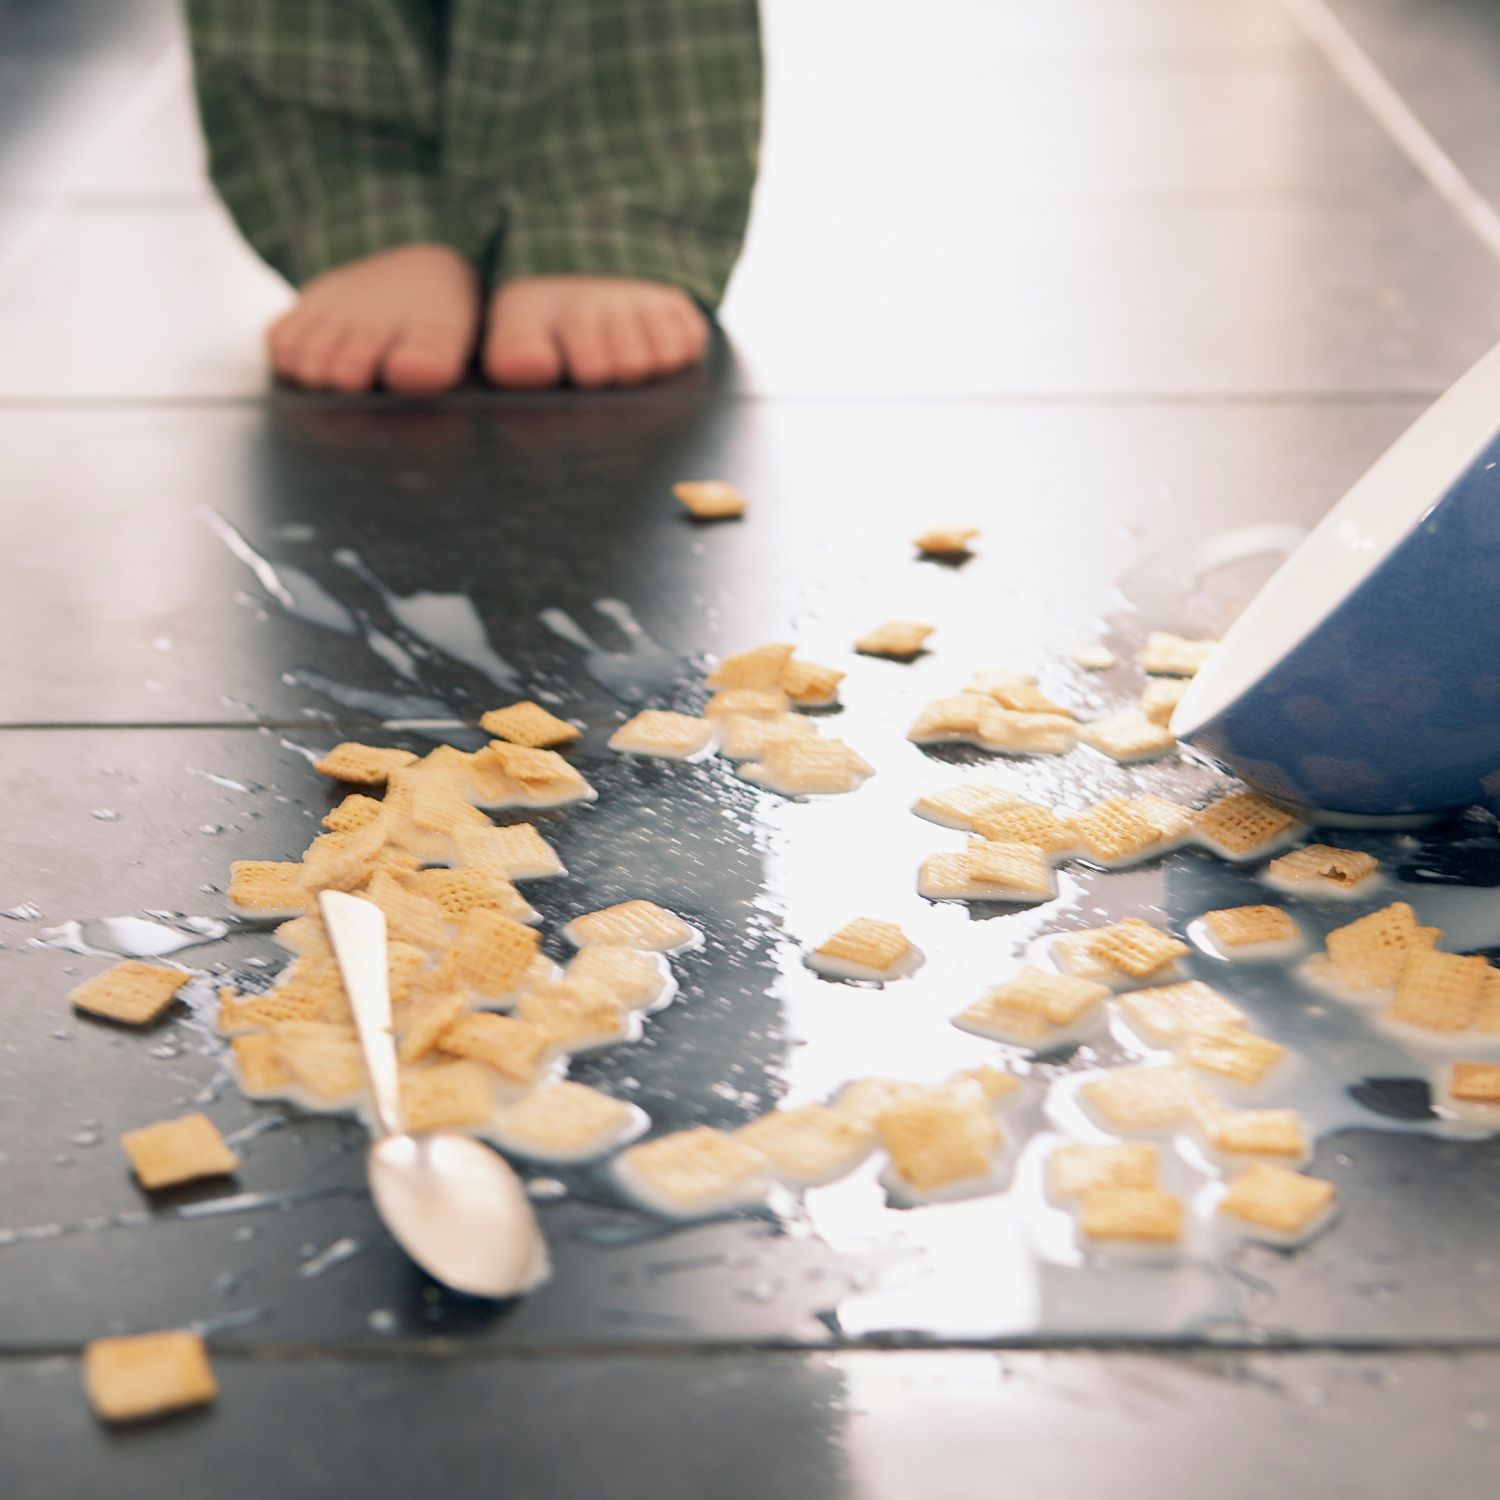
861	1427
524	505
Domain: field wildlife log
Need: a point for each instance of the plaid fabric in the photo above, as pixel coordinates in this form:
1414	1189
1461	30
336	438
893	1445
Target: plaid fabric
617	137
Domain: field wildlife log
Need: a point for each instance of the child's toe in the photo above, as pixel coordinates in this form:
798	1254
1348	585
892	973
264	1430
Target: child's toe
672	344
629	347
586	348
425	360
356	365
522	360
315	354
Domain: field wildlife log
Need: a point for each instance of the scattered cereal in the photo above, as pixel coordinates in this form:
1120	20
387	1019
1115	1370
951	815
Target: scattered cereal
760	667
1243	825
577	1015
1171	1013
1475	1082
1134	1215
528	723
809	768
447	1096
672	736
1160	697
1170	655
960	806
566	1122
1136	948
1439	991
1128	737
1018	732
810	685
1094	658
939	1142
362	765
491	954
710	499
810	1145
946	541
1271	1197
1145	1098
632	924
514	852
865	949
176	1151
1370	953
900	639
267	888
1231	1053
1079	1168
132	992
515	1049
147	1375
693	1172
1323	868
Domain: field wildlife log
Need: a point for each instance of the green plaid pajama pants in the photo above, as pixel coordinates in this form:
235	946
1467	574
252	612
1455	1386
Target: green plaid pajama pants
613	137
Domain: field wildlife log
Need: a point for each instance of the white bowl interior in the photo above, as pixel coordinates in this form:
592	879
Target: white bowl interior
1350	542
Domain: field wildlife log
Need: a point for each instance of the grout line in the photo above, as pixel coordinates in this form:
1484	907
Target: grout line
1376	92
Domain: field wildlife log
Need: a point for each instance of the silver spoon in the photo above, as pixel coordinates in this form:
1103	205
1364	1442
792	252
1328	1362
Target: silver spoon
451	1203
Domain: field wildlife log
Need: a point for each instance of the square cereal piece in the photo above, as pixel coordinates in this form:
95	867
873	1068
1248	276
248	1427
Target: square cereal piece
1017	691
514	852
1073	953
1174	820
1475	1082
131	992
1439	991
409	916
356	811
577	1014
1022	872
1079	1168
1168	655
1094	657
1249	926
1371	952
1116	832
1143	1098
811	685
1018	732
447	1096
491	954
1256	1132
759	667
710	499
266	888
810	1145
955	717
531	767
636	979
464	890
147	1375
515	1049
1160	697
1230	1052
1488	1019
632	924
749	736
1025	823
765	702
949	877
258	1068
946	541
994	1083
1136	948
176	1151
528	723
670	735
566	1122
934	1142
1271	1197
1242	824
899	639
693	1172
1060	999
425	1019
1146	1216
963	805
809	768
1171	1013
1128	737
269	1009
343	861
1323	866
873	948
323	1058
362	765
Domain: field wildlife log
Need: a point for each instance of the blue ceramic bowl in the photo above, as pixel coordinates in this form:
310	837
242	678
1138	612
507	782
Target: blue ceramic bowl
1363	680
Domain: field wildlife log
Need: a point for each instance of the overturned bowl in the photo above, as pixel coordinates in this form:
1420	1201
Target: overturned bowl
1363	680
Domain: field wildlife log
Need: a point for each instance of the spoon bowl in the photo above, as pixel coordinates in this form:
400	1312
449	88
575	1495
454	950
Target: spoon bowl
456	1208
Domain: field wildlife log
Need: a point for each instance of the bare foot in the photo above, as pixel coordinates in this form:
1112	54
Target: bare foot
406	318
592	330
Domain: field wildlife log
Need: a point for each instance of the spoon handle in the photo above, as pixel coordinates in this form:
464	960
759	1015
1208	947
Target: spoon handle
356	930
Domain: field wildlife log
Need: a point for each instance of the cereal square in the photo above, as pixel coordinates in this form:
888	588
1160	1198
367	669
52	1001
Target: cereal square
809	768
693	1171
1271	1197
1116	831
464	890
1079	1168
631	924
491	953
1249	926
749	736
1439	991
1017	691
409	916
258	1067
1143	1098
1170	655
1128	737
1242	823
1475	1082
760	667
635	978
514	1048
1230	1052
1014	871
1059	999
362	765
1094	657
1160	697
866	944
961	806
266	887
1171	1013
133	992
1323	865
1025	823
514	852
575	1014
761	702
810	684
955	717
1023	732
177	1151
670	735
447	1096
323	1057
1257	1132
1136	948
809	1145
710	499
1130	1214
1371	952
528	723
565	1121
147	1375
426	1019
934	1142
946	541
899	639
